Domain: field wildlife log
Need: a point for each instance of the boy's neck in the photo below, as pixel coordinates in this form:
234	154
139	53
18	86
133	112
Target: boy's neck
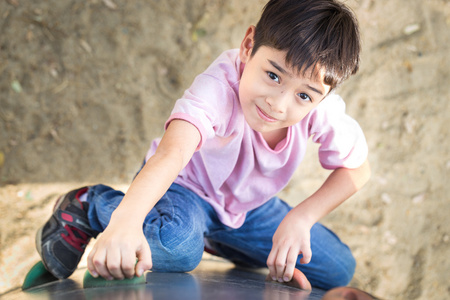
273	137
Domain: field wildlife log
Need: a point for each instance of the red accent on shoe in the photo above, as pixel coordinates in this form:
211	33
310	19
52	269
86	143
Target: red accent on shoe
210	251
71	238
79	193
67	217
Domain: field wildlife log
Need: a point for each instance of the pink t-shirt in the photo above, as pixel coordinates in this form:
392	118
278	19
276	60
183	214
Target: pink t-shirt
233	168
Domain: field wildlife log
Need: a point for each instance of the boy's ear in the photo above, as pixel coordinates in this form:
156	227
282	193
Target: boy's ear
245	50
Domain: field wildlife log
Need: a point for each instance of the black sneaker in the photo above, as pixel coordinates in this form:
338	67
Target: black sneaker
62	240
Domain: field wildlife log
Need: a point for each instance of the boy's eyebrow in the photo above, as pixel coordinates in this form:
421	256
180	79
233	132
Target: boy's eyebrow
283	71
279	68
315	90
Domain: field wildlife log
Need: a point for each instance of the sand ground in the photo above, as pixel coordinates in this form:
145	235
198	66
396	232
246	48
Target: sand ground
86	85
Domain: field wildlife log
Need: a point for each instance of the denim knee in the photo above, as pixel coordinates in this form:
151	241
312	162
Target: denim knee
178	259
343	270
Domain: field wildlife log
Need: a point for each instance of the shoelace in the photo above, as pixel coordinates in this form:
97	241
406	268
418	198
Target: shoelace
78	242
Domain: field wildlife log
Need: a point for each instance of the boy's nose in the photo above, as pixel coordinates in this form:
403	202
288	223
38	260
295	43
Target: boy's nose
277	104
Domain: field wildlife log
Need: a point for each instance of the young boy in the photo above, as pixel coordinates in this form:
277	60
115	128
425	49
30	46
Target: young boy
231	144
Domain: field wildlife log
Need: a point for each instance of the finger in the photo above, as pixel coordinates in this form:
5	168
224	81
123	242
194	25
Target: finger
280	263
99	261
271	264
114	262
291	261
307	254
144	257
90	264
128	262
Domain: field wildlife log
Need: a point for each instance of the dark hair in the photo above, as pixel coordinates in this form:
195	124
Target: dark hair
315	33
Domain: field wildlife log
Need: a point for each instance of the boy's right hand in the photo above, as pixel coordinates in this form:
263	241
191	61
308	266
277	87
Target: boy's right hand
114	253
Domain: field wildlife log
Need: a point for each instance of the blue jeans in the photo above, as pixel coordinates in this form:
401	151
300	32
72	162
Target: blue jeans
176	229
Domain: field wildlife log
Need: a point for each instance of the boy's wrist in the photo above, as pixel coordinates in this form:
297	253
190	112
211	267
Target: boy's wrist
126	218
303	216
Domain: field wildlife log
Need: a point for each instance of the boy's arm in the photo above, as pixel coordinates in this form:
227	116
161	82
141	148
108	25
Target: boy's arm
292	236
115	252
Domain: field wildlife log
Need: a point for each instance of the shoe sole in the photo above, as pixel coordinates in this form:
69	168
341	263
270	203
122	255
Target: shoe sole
38	241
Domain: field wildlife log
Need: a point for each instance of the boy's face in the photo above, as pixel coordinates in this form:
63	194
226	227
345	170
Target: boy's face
272	95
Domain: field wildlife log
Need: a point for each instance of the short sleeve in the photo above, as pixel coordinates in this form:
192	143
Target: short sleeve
207	104
342	141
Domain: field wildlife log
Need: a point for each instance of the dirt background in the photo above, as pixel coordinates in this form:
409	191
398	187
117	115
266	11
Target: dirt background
86	85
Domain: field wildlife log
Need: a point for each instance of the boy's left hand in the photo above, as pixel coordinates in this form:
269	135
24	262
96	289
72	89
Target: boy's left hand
291	239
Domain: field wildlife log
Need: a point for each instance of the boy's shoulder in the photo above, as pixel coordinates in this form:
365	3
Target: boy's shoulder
330	112
229	56
226	66
332	103
220	79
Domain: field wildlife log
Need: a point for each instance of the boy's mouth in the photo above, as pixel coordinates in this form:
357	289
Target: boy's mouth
265	116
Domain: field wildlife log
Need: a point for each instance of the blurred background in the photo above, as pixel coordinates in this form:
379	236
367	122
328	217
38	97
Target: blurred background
86	85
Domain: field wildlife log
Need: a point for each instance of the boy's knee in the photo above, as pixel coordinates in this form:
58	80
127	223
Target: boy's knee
343	271
348	270
331	272
176	246
178	259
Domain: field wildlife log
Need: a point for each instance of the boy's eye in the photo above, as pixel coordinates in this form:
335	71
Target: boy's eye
273	76
304	97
